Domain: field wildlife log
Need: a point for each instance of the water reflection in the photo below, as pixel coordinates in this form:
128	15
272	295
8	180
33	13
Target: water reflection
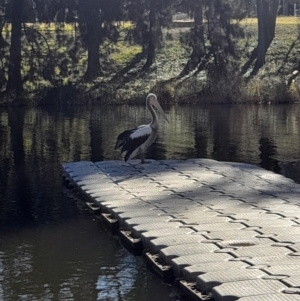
49	249
115	282
70	261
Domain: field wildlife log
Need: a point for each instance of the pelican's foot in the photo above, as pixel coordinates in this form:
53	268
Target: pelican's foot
145	162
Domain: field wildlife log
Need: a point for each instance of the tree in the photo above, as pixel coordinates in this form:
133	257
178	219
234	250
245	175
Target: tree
153	26
3	4
149	17
266	14
213	33
198	43
196	35
286	7
89	16
97	22
14	83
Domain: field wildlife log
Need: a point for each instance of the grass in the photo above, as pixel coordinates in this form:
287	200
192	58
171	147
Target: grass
67	68
125	52
279	21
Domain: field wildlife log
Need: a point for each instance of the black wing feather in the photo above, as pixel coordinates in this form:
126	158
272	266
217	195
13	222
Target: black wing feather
130	145
122	138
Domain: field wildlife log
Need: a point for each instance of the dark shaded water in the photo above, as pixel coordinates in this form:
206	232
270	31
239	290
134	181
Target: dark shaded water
50	249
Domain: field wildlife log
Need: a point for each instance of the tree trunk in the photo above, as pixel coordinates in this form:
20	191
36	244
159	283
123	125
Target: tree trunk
198	37
14	72
267	13
22	192
285	7
3	43
93	44
151	38
93	40
197	42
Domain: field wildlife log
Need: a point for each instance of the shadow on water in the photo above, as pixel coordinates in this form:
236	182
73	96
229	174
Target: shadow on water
267	153
49	248
75	260
19	175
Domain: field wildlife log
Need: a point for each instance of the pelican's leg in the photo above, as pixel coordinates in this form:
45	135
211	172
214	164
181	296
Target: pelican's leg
142	155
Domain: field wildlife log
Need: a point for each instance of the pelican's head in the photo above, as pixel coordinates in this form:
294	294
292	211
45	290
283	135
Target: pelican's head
152	100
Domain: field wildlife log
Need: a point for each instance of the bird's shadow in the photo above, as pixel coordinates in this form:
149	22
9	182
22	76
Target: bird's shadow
120	171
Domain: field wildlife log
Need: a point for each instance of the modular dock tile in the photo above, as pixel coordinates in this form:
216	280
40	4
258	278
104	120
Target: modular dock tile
132	207
281	207
139	213
235	234
153	234
156	244
205	220
202	213
272	297
129	223
296	245
113	200
240	206
294	238
199	211
127	219
217	226
284	269
98	197
168	253
170	199
138	229
279	222
266	261
261	251
110	192
292	281
295	229
196	259
190	273
233	290
214	223
258	214
208	281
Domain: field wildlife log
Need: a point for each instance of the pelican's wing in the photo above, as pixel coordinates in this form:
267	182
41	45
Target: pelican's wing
122	138
135	140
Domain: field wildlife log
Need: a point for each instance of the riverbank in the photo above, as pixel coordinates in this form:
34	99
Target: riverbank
276	82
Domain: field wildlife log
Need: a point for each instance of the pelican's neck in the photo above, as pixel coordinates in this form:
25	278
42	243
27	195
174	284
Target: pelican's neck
154	119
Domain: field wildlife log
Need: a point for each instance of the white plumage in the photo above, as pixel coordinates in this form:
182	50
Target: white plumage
144	130
136	141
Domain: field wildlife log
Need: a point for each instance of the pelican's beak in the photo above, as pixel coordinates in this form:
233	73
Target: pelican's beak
161	111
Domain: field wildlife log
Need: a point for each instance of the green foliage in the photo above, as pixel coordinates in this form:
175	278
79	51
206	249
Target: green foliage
124	53
112	40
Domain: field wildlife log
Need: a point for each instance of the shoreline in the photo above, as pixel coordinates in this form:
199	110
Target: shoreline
276	82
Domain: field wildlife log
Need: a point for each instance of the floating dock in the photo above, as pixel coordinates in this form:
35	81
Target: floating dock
223	231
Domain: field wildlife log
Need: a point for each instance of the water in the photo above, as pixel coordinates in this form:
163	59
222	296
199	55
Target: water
50	248
72	260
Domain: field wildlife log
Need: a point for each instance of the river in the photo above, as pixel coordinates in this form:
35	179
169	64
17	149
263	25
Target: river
51	248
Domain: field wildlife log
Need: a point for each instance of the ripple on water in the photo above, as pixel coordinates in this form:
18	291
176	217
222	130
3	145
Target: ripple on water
49	250
72	261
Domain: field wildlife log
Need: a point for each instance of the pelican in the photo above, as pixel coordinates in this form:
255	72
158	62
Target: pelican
136	141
